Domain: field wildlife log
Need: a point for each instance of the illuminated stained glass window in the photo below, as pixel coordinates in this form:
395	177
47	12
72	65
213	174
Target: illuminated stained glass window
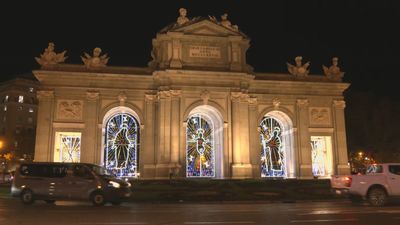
67	147
272	151
200	155
122	145
320	155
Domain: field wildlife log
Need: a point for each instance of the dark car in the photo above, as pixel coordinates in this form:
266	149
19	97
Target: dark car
68	181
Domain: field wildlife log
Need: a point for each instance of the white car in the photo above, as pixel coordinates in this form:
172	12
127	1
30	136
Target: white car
381	182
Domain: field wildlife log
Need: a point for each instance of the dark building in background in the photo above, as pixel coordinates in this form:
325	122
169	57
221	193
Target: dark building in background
18	110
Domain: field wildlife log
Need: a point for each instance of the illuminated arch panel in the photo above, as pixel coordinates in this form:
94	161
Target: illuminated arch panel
122	134
273	157
200	152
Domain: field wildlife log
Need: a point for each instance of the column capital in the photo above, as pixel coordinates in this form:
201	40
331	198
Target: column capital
45	94
235	96
92	95
150	97
164	94
175	93
341	104
302	102
252	101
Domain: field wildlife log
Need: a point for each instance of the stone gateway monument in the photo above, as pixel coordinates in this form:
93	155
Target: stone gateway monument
197	111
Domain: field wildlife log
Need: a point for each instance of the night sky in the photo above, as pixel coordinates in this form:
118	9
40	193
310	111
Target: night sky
363	34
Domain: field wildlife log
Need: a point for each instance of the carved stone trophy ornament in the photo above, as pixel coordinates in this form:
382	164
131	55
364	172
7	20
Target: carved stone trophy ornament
96	60
299	70
333	72
49	57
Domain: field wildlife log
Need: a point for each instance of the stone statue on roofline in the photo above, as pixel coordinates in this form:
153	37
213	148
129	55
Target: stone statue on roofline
333	72
182	19
96	60
226	23
49	57
300	69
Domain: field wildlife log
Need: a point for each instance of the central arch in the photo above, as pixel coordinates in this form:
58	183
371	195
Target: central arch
204	143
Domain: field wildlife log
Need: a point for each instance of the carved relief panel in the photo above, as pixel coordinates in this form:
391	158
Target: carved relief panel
69	109
320	116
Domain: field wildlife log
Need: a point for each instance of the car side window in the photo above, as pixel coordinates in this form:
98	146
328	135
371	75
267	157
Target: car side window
82	171
395	169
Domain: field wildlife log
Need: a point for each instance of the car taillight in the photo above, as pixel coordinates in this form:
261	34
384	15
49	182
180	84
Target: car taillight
347	181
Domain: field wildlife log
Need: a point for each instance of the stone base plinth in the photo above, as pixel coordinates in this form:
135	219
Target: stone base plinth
240	171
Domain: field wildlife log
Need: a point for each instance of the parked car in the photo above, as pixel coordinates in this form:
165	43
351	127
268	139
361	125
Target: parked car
380	183
68	181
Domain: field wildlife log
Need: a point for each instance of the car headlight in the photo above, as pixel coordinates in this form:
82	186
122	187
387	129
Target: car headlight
114	184
129	184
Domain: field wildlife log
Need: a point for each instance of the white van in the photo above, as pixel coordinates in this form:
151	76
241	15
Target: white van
68	181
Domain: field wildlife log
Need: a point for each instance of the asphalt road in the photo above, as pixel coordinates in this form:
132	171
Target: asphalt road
12	212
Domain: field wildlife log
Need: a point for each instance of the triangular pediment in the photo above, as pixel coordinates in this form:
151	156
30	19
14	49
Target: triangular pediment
208	28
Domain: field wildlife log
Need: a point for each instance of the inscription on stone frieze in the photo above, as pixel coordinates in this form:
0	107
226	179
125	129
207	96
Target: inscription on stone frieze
204	51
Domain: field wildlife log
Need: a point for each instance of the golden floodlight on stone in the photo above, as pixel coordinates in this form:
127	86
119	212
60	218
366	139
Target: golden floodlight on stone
299	70
333	72
49	57
96	60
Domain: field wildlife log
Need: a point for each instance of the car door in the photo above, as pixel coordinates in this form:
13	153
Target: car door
80	183
394	179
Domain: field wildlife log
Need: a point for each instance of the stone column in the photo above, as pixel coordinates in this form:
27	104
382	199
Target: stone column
304	139
164	134
254	138
175	128
89	147
147	150
340	131
241	167
44	134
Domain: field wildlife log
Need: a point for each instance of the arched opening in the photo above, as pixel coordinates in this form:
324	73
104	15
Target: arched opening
276	137
204	143
121	142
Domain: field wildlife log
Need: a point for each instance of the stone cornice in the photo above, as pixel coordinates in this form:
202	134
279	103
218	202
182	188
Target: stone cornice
45	94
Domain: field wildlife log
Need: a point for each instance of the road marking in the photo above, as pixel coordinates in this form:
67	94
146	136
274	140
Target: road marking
235	210
222	222
323	221
114	223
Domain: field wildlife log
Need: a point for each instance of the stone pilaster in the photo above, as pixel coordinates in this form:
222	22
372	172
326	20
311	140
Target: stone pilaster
89	149
147	151
176	54
340	136
241	167
304	139
44	133
164	134
254	138
175	127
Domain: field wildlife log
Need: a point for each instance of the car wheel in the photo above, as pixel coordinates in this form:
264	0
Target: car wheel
377	197
98	199
50	201
27	197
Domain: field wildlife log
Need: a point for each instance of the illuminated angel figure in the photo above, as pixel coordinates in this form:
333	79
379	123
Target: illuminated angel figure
298	70
96	60
49	57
